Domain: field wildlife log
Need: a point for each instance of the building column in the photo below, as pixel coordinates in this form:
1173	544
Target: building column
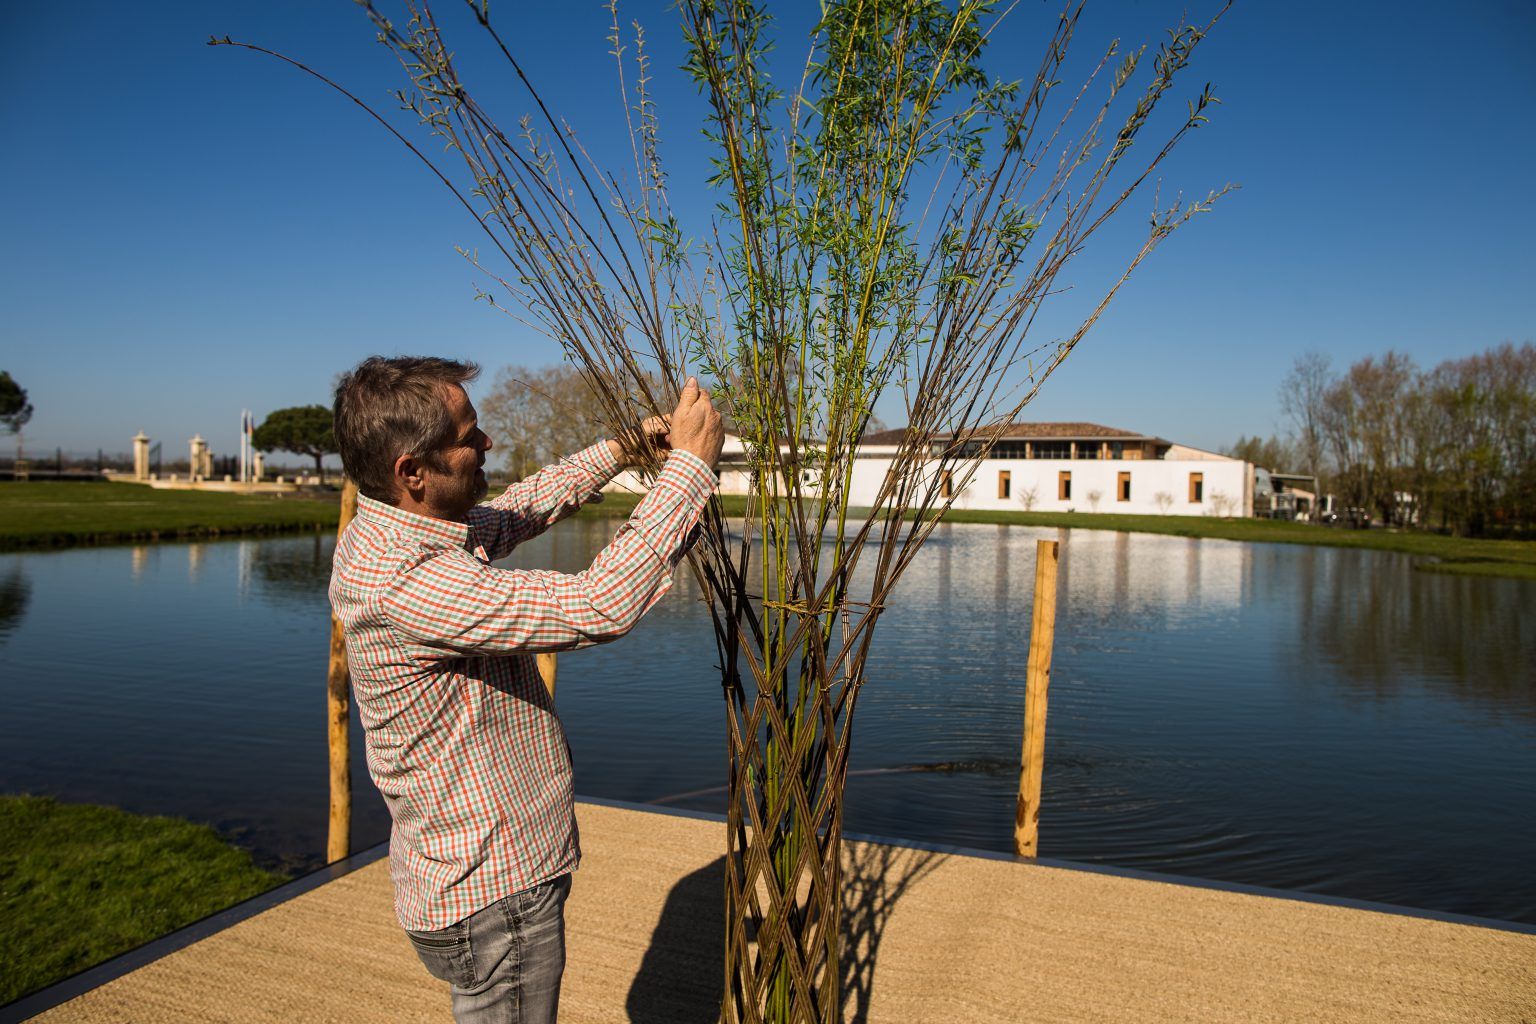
140	456
198	446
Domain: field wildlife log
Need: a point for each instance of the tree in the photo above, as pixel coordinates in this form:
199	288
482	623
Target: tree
1267	453
1301	398
1365	422
536	416
1481	412
15	410
302	429
894	223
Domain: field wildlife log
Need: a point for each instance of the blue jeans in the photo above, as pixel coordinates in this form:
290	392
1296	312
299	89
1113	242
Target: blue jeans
503	962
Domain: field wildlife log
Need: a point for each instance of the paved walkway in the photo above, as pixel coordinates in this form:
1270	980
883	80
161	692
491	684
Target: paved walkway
954	938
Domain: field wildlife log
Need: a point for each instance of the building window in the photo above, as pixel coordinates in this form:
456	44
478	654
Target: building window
946	485
1052	449
1125	487
1004	484
1197	487
1116	450
1064	486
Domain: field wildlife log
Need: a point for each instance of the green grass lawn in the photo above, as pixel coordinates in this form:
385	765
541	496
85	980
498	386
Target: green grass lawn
80	884
50	514
1436	553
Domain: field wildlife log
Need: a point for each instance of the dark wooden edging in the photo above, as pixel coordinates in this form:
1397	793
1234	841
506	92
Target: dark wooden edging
94	977
140	956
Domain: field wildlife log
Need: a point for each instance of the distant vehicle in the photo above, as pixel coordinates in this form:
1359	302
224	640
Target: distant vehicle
1355	518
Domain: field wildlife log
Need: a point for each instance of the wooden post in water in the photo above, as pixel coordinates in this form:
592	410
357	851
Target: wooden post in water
337	699
547	667
1042	635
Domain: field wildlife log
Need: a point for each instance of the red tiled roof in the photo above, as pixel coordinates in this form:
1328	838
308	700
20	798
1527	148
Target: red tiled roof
1067	431
1033	432
885	436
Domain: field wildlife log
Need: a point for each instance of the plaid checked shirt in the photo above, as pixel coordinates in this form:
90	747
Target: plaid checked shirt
463	740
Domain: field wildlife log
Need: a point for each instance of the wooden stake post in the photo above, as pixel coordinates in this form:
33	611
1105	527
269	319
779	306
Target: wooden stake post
1026	822
338	837
546	663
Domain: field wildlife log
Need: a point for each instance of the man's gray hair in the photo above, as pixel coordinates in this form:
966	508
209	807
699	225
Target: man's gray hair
386	408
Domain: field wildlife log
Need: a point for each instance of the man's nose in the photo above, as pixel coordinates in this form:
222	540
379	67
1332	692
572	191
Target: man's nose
487	446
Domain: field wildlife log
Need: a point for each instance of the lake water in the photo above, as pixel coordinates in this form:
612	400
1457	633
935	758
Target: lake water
1304	718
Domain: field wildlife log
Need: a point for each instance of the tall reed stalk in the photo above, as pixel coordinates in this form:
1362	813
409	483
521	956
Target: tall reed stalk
892	225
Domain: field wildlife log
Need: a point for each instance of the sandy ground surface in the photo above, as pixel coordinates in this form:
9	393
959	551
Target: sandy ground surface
937	937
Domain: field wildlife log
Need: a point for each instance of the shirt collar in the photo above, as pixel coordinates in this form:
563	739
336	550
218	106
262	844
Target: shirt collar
423	528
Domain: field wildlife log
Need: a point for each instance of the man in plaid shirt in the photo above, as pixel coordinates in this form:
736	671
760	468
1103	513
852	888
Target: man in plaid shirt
462	736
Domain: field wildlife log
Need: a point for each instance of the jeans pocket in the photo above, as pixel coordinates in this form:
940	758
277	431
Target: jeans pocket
543	899
446	954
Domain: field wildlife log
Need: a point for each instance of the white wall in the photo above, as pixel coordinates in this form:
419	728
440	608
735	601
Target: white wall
1222	477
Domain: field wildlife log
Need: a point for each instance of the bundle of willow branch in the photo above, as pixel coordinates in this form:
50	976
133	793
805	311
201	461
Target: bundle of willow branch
892	226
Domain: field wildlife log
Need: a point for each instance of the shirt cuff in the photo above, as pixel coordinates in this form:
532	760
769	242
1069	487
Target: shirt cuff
689	475
599	460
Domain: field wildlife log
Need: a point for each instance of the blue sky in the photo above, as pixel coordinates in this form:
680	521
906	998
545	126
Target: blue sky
186	231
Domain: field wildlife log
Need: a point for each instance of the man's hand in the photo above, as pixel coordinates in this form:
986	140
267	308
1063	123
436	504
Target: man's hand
696	426
655	430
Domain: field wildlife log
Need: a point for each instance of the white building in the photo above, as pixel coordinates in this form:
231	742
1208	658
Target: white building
1048	467
732	471
1079	467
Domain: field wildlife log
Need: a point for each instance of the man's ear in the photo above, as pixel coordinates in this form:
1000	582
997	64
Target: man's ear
408	478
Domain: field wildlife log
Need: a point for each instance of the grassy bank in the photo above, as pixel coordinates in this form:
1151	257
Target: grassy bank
51	514
1436	553
80	884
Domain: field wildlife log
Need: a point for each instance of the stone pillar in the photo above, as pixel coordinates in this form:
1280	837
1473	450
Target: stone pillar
140	456
257	465
195	459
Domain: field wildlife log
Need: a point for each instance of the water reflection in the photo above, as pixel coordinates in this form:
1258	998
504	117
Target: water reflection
296	573
1154	581
15	591
1289	716
1392	630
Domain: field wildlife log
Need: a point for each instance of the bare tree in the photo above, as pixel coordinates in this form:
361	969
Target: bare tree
1301	399
1028	496
1094	497
1163	500
1365	425
535	416
1270	453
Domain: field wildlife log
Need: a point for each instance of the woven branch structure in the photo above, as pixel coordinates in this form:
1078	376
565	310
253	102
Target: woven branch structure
890	228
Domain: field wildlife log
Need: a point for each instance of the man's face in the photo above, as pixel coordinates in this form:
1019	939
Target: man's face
455	488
